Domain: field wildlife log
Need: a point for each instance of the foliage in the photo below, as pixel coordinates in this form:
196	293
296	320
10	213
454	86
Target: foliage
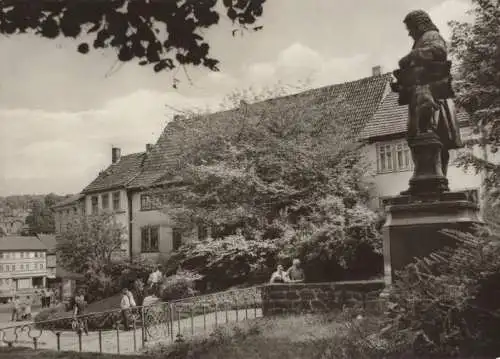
89	243
162	33
117	275
476	47
275	170
41	218
179	285
227	261
444	305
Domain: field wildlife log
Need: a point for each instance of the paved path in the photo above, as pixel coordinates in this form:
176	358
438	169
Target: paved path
128	342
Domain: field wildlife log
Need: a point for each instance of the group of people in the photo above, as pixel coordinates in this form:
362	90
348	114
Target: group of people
21	309
127	302
294	274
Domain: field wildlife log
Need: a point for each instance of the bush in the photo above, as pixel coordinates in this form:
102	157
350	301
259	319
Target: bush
180	285
117	275
226	262
447	304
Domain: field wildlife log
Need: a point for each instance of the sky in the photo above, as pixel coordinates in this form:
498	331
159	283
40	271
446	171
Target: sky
61	112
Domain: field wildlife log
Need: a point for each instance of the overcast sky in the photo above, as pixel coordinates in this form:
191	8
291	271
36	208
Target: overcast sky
60	111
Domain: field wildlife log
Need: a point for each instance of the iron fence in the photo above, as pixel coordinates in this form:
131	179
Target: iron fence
164	322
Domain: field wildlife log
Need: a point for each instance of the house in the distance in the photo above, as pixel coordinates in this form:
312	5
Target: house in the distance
23	266
66	210
49	240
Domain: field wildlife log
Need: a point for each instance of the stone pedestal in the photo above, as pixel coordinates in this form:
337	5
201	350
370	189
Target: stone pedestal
414	223
428	177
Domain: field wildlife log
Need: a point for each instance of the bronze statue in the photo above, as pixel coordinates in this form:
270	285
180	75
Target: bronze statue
424	84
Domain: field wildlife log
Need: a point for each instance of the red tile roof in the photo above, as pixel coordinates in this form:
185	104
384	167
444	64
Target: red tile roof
18	243
391	119
117	174
354	102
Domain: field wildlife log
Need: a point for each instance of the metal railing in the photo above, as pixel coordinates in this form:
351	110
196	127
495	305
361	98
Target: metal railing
163	322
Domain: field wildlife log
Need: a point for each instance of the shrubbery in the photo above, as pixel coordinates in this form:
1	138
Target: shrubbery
446	304
179	285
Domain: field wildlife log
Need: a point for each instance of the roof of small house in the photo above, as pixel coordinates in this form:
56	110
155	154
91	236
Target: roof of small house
118	174
70	200
354	102
391	119
21	243
49	240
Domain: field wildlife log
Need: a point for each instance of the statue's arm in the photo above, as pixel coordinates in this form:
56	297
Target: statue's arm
432	47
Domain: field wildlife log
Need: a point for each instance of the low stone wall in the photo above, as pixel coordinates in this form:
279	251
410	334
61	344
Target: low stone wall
300	298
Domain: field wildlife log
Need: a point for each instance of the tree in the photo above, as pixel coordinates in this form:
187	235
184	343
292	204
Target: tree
162	33
41	218
476	49
279	169
89	243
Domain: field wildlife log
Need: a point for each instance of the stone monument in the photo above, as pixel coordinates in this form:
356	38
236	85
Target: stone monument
416	217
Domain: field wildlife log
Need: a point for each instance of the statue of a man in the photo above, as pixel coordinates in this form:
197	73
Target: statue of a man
424	84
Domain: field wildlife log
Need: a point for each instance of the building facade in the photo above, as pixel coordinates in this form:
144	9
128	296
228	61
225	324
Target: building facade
66	210
369	110
23	266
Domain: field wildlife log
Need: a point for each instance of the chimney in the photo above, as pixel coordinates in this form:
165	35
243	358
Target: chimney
149	147
376	70
115	154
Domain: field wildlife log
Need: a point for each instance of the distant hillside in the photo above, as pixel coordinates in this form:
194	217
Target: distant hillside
28	214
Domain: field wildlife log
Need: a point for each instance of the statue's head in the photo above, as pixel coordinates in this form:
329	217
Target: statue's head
418	22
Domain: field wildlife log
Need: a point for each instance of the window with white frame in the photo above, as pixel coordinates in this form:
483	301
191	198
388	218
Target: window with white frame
116	201
150	239
393	157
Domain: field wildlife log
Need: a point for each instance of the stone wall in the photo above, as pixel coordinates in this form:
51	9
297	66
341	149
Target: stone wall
299	298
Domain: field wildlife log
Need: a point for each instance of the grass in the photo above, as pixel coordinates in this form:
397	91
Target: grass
288	337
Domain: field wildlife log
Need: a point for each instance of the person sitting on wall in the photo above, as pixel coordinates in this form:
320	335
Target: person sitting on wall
279	276
295	272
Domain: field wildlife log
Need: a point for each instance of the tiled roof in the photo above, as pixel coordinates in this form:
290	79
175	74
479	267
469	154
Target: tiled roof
354	102
117	174
15	243
391	118
49	240
68	201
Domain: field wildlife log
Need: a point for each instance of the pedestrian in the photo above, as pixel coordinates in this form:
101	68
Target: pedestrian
47	294
126	305
147	310
78	305
15	308
155	278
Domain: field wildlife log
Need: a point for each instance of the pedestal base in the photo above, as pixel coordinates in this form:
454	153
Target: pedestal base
413	226
428	177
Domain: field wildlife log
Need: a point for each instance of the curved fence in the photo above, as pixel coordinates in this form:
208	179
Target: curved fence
106	332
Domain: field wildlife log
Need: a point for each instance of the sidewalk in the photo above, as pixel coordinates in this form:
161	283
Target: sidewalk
125	342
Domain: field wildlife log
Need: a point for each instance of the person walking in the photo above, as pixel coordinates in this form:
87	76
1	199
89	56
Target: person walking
126	305
79	304
15	308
